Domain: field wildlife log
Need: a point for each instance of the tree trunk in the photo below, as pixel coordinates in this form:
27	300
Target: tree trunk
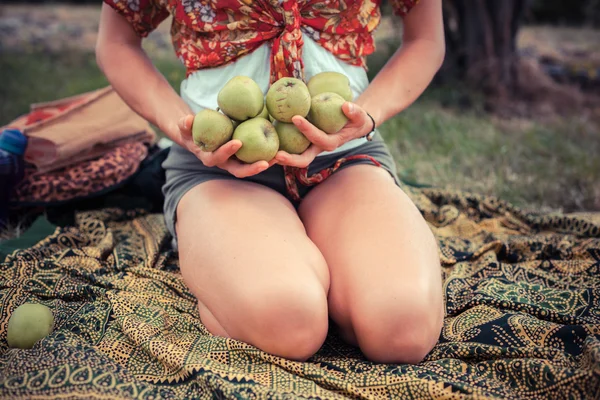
481	43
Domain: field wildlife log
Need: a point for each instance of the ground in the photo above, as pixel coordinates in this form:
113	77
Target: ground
541	162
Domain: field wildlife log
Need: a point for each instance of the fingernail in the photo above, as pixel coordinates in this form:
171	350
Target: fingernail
351	108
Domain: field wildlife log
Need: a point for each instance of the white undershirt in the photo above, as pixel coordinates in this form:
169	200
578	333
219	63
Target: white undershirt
200	89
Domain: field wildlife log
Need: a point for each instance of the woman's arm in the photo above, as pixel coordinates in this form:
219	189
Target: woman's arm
120	56
399	83
410	70
131	73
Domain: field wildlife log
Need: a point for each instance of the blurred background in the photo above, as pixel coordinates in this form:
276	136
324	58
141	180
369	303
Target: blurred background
514	112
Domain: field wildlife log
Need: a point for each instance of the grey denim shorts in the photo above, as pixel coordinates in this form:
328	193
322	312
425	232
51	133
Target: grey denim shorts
183	171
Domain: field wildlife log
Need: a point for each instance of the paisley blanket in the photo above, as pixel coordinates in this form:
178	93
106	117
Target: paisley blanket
522	319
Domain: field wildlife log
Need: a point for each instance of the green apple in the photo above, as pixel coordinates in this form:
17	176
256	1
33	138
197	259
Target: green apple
29	323
330	81
326	112
211	129
241	98
264	113
288	97
259	140
291	139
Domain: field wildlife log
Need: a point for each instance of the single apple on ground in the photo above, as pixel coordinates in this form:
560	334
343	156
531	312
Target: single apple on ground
29	323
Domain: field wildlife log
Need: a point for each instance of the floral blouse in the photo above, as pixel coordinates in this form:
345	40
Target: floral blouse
211	33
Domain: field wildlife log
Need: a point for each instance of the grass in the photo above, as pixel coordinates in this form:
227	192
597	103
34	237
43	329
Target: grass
40	76
548	166
534	164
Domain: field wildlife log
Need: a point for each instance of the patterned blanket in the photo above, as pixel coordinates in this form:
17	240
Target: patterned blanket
522	319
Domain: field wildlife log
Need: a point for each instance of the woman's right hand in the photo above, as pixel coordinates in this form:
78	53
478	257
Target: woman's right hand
130	71
223	156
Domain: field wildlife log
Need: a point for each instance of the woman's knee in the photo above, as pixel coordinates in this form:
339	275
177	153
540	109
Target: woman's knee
284	315
262	279
400	327
288	319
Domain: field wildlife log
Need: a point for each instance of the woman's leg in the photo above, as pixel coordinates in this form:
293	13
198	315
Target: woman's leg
386	289
258	278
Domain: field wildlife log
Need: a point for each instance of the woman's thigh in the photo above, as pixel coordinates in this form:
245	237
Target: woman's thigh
386	290
245	255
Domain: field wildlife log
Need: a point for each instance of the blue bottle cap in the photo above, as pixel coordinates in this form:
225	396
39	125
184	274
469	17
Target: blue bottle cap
13	141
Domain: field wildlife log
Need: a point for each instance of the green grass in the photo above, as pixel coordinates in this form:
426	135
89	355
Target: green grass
534	164
548	165
40	76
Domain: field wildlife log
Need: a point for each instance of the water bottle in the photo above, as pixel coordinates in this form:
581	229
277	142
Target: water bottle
12	167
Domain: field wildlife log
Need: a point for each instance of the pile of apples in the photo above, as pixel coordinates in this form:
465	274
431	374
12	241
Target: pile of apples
264	123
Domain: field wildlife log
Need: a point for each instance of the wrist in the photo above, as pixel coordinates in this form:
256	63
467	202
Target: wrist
371	128
371	121
373	110
168	122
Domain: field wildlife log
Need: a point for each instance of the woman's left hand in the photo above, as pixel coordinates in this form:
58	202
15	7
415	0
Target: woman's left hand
358	125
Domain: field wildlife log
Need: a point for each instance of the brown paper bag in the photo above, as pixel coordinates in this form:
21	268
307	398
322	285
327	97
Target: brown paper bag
83	127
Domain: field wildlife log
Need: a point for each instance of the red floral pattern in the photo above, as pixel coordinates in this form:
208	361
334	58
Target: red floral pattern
211	33
295	175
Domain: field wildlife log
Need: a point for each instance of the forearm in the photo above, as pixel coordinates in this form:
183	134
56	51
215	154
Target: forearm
142	86
403	79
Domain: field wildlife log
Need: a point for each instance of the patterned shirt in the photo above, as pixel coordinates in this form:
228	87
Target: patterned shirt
211	33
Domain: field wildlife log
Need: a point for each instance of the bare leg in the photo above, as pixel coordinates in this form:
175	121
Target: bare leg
386	289
245	255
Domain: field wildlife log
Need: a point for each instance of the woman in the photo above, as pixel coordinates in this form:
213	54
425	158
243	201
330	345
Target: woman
272	251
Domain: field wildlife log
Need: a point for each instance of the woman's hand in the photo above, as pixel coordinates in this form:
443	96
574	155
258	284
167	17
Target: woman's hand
132	74
222	157
359	125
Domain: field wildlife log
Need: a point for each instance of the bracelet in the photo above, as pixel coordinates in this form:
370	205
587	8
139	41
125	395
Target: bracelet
369	136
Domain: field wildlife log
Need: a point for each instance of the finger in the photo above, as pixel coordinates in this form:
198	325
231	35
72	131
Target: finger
241	170
298	160
359	125
316	136
185	131
225	152
185	123
219	156
355	114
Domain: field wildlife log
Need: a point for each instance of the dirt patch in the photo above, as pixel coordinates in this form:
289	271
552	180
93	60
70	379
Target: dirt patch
568	55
